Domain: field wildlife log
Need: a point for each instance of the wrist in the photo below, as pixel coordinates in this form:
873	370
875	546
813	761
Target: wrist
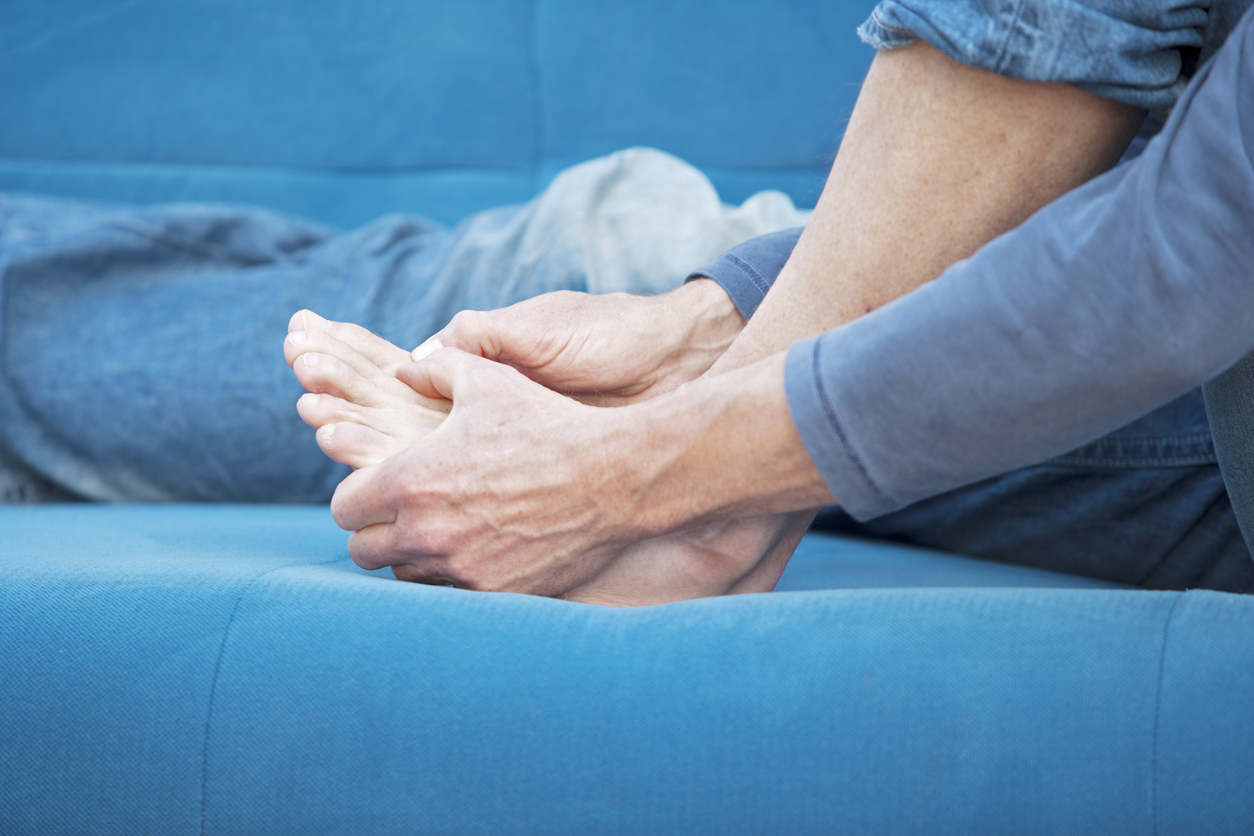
704	323
717	448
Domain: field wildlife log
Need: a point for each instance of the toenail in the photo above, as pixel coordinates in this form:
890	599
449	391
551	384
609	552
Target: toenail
325	433
311	359
298	337
309	399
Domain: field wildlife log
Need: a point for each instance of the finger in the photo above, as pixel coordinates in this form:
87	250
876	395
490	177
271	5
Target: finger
475	332
371	547
441	373
377	546
363	499
431	346
356	445
426	571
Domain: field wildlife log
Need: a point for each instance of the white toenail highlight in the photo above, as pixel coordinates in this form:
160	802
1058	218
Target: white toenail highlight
304	321
426	348
311	359
325	434
298	337
309	399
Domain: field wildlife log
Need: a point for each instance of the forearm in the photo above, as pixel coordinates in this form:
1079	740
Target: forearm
1107	304
938	159
718	448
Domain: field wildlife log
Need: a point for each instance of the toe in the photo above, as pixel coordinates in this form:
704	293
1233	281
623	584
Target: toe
323	374
355	445
377	350
318	410
300	321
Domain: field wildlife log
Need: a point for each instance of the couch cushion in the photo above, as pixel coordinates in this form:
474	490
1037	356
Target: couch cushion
343	110
223	669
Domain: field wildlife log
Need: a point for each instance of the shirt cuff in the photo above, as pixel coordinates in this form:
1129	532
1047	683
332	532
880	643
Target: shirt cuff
825	438
747	272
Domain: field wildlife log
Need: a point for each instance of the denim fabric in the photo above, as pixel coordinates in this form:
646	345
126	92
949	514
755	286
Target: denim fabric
1230	408
1146	506
1127	50
141	348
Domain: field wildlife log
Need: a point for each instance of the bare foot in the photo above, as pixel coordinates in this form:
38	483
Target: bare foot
722	558
362	413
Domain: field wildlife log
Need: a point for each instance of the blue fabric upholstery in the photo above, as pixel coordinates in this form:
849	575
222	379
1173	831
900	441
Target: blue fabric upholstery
226	669
168	668
345	110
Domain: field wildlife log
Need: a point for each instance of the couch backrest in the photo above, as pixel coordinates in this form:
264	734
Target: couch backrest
345	109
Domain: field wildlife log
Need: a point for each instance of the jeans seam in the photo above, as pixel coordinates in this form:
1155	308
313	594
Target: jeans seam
875	18
1156	461
1000	66
1156	439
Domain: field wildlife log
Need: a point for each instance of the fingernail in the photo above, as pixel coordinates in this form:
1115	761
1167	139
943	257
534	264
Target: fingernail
426	348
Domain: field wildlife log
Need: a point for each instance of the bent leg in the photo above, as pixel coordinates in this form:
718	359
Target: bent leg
1145	506
1230	408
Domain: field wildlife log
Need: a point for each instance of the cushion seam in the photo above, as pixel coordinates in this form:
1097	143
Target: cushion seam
1158	708
213	685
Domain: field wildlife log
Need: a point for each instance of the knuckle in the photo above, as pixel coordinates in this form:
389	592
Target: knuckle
364	556
465	323
465	573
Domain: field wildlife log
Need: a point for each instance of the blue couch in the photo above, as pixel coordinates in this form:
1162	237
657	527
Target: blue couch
226	669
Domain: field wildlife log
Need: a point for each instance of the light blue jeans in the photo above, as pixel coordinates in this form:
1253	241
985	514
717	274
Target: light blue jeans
141	348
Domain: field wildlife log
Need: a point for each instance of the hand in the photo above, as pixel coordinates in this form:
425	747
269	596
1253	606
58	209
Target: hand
522	489
511	493
603	350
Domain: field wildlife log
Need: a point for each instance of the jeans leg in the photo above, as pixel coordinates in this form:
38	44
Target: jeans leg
1145	506
1230	409
141	348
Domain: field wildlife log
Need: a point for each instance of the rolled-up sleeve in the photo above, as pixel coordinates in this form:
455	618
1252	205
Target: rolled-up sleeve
1127	51
1106	304
747	272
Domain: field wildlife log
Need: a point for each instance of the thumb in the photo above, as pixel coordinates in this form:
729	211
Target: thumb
474	332
440	374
